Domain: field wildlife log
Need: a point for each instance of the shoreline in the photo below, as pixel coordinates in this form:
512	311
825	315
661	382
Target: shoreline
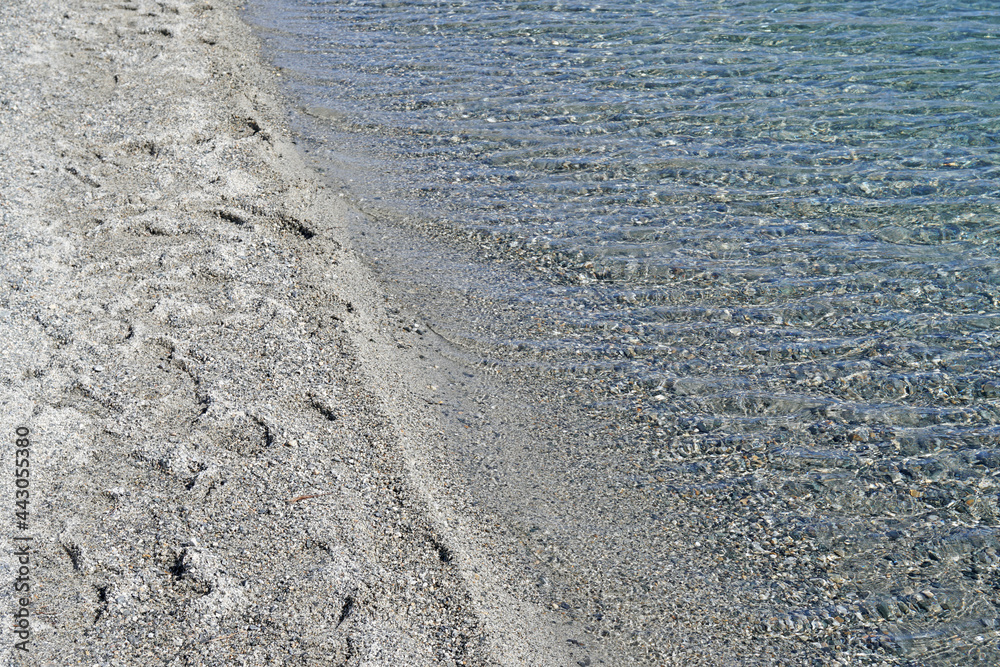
224	464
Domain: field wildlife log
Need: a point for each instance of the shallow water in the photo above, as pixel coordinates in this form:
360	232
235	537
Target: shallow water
756	242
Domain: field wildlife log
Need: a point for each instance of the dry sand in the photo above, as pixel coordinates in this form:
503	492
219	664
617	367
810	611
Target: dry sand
225	459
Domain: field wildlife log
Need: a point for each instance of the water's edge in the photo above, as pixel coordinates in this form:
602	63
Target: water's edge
778	441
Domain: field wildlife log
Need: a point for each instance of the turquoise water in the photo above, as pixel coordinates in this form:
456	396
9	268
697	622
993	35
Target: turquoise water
768	230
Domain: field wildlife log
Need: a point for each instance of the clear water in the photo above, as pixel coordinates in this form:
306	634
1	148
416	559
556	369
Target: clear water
768	232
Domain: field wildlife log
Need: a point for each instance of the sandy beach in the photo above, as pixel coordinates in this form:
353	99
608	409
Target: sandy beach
223	466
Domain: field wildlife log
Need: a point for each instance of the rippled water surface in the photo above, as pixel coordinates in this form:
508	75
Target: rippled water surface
766	231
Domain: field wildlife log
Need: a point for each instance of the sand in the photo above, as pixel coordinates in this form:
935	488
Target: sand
224	458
